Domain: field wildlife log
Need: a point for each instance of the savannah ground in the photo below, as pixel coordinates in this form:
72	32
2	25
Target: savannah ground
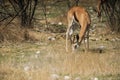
43	57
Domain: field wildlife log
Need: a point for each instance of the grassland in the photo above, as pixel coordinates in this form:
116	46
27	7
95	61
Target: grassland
48	60
45	59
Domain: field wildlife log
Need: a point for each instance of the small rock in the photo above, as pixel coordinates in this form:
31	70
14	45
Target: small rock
113	40
94	39
38	52
26	68
67	78
55	77
101	48
51	38
94	25
95	78
77	78
117	39
60	23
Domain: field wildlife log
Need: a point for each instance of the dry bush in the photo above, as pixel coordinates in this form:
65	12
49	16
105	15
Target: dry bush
12	33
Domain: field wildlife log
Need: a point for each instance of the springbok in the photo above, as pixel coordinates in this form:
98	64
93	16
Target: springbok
78	15
99	5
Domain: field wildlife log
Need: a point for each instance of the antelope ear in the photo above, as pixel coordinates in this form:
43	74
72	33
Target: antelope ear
77	37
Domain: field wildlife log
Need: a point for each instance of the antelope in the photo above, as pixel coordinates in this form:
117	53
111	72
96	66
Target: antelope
99	5
77	15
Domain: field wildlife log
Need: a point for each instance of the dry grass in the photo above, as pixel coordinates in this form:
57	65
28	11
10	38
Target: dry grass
45	60
10	33
41	59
